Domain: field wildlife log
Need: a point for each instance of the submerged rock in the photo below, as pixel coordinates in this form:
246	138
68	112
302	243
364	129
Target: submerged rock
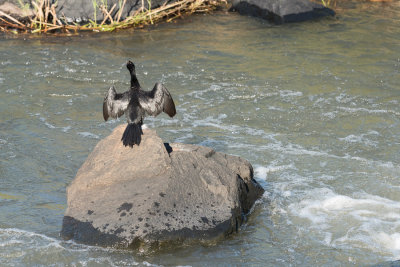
157	193
281	11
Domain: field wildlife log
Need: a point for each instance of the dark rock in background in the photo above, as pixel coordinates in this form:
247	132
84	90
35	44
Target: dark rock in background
156	194
281	11
81	11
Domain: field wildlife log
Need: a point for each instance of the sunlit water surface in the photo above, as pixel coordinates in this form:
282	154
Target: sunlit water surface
313	106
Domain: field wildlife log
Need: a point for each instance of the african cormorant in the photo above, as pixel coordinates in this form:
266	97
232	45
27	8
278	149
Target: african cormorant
136	104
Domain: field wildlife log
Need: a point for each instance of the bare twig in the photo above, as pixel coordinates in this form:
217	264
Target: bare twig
55	19
10	18
120	11
107	14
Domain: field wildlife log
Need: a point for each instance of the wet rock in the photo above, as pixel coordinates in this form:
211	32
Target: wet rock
84	10
157	193
281	11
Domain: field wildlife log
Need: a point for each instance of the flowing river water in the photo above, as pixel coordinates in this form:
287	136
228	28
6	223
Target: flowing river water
313	106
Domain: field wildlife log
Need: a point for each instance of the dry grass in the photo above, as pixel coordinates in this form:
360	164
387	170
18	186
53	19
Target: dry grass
46	20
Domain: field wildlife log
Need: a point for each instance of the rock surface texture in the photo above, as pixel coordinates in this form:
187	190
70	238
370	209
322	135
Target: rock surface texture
79	11
281	11
18	9
157	193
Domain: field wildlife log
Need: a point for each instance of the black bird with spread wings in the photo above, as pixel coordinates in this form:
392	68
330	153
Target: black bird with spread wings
137	104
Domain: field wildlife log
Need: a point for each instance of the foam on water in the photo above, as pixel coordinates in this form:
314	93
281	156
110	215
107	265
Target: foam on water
369	111
298	150
80	62
390	241
66	129
50	126
362	138
261	172
363	220
20	247
289	94
89	135
217	123
61	95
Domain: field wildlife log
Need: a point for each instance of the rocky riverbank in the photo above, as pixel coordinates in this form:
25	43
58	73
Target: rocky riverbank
97	15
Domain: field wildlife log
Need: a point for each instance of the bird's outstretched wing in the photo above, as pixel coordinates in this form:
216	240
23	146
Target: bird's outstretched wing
157	100
114	104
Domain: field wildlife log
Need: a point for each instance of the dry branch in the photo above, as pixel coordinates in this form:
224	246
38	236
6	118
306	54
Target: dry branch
120	10
10	18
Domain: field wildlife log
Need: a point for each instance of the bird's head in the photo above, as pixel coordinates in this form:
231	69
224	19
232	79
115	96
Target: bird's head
131	66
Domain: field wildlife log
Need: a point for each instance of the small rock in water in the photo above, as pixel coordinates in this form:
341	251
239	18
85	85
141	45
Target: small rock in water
156	194
281	11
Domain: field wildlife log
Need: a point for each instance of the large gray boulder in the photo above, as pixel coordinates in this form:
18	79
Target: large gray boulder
281	11
85	10
156	194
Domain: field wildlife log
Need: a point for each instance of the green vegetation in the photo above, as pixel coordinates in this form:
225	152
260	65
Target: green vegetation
326	3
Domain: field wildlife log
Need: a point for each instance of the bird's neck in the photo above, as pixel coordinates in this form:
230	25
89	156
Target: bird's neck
134	82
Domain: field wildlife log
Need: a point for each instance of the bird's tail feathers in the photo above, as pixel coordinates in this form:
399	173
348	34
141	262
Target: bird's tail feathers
132	134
